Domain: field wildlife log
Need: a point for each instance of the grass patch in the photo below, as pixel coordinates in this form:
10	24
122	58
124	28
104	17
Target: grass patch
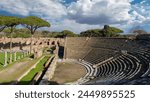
12	72
39	67
2	56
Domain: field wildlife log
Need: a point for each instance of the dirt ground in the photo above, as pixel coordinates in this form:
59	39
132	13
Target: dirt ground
13	72
68	72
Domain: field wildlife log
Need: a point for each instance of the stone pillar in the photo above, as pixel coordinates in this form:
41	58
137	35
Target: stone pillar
22	55
10	61
65	49
5	62
28	52
14	56
57	50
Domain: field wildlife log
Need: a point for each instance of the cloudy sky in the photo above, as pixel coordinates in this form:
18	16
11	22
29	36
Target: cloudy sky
80	15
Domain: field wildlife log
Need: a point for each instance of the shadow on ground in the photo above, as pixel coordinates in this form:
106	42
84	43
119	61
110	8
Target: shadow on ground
28	83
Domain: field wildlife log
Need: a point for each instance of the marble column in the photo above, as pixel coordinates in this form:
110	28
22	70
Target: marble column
5	62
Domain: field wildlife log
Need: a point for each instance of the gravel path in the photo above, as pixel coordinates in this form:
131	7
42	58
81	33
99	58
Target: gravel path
12	73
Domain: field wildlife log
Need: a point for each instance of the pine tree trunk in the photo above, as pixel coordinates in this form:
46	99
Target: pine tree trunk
31	44
10	48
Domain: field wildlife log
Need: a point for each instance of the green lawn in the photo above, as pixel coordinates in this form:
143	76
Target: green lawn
39	67
2	57
12	72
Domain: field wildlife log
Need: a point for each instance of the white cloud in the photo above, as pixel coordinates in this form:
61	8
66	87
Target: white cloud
131	0
100	11
16	7
141	13
72	25
83	14
43	8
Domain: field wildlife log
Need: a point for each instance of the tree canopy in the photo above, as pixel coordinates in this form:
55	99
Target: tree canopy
9	21
17	33
68	33
62	34
2	23
140	31
107	31
33	23
91	33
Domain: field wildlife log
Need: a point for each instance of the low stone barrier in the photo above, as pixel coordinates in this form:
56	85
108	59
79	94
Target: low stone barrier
50	72
32	67
38	77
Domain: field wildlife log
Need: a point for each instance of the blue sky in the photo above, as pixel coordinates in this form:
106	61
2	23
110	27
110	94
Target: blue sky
69	1
80	15
136	1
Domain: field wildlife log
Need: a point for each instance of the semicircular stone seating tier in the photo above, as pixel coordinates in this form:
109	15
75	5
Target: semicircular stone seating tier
126	67
117	60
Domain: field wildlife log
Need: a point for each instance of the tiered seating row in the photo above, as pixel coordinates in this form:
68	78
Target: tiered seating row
98	55
125	67
90	72
130	58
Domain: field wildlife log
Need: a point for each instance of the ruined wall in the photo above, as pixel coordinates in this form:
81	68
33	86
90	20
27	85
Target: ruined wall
143	37
24	43
78	47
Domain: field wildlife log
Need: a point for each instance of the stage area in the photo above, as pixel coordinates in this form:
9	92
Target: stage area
68	72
